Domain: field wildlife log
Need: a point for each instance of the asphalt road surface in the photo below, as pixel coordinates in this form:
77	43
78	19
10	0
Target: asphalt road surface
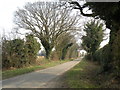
38	79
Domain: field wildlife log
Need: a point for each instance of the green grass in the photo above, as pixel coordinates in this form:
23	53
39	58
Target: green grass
87	74
45	64
82	75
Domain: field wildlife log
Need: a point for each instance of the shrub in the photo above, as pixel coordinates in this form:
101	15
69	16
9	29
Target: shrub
103	57
12	53
116	54
18	53
32	48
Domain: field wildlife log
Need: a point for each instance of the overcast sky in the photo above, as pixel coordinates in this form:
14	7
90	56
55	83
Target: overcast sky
7	9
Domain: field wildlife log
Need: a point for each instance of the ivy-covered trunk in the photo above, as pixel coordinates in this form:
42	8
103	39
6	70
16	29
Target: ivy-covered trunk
48	47
48	52
64	51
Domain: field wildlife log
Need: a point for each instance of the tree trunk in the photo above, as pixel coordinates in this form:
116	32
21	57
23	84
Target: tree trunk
48	52
48	47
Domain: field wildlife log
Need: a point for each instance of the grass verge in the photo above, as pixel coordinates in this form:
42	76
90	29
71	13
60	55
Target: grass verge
45	64
87	74
82	75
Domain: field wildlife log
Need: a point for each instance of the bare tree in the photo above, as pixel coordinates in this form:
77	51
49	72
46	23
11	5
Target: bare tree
47	21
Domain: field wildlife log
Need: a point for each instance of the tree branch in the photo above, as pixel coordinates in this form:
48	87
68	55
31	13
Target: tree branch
81	9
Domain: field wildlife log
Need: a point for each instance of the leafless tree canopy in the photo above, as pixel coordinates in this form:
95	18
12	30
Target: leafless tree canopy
46	20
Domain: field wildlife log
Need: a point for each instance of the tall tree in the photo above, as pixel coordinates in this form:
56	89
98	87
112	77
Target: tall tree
47	21
93	38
